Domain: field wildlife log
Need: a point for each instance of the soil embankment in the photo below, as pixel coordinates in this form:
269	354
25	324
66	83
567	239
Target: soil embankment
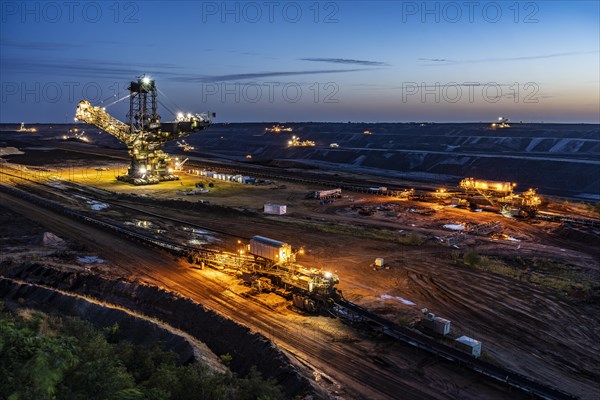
221	335
131	327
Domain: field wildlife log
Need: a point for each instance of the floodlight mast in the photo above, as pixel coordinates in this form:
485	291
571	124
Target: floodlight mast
145	134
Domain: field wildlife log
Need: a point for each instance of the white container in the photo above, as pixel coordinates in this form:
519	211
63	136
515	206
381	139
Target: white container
271	249
469	345
274	209
438	325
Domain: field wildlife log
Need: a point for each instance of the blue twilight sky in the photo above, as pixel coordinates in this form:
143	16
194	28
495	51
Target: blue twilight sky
306	60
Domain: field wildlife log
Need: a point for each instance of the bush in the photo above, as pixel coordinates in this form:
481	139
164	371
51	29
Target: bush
66	358
455	256
472	258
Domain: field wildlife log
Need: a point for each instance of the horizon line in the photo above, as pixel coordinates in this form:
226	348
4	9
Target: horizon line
339	122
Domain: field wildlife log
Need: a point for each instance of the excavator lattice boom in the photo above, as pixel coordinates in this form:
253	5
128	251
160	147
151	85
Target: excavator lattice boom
145	134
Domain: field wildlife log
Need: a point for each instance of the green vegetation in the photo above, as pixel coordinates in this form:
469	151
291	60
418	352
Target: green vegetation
545	273
226	358
472	258
48	357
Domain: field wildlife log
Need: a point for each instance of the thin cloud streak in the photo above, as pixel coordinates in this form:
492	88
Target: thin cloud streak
258	75
444	62
435	60
42	46
85	68
348	61
96	69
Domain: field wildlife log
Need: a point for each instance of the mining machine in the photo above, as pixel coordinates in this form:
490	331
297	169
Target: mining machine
502	123
501	195
145	134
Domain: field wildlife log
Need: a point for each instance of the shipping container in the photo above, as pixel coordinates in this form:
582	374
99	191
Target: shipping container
271	249
275	209
470	345
438	325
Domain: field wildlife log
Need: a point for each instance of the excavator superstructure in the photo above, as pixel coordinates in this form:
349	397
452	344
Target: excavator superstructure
145	134
501	195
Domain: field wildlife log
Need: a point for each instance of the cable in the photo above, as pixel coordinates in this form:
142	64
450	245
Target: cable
106	99
116	101
167	108
167	97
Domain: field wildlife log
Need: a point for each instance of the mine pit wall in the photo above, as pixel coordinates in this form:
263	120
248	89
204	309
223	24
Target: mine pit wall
220	334
132	329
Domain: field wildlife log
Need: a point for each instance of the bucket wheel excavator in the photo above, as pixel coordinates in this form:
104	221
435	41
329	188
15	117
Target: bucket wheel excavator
145	134
501	195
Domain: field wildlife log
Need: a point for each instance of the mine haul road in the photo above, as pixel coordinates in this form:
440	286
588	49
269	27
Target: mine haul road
350	367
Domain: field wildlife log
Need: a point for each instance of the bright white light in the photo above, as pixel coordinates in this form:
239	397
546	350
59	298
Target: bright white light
143	170
146	80
327	275
189	115
180	115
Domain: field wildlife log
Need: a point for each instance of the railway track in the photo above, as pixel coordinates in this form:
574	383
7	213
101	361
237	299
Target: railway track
342	307
421	192
120	204
449	353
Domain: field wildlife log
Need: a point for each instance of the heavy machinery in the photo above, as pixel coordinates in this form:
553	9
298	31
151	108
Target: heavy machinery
502	123
296	142
75	135
501	195
178	165
270	265
185	146
23	129
278	129
145	134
